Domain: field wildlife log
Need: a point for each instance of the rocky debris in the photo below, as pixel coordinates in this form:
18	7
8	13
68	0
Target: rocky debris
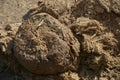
45	46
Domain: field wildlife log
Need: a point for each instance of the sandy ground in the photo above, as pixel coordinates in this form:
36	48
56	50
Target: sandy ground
11	11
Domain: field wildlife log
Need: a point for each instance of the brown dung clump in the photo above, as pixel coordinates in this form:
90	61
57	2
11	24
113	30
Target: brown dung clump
98	45
62	40
45	46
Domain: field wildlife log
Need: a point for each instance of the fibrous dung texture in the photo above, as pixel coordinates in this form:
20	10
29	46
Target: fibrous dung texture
45	46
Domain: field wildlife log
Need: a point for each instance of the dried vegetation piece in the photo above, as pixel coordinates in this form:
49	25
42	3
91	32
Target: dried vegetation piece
70	76
6	35
105	4
97	44
111	5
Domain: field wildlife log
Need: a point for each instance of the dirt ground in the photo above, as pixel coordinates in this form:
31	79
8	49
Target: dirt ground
60	40
12	11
